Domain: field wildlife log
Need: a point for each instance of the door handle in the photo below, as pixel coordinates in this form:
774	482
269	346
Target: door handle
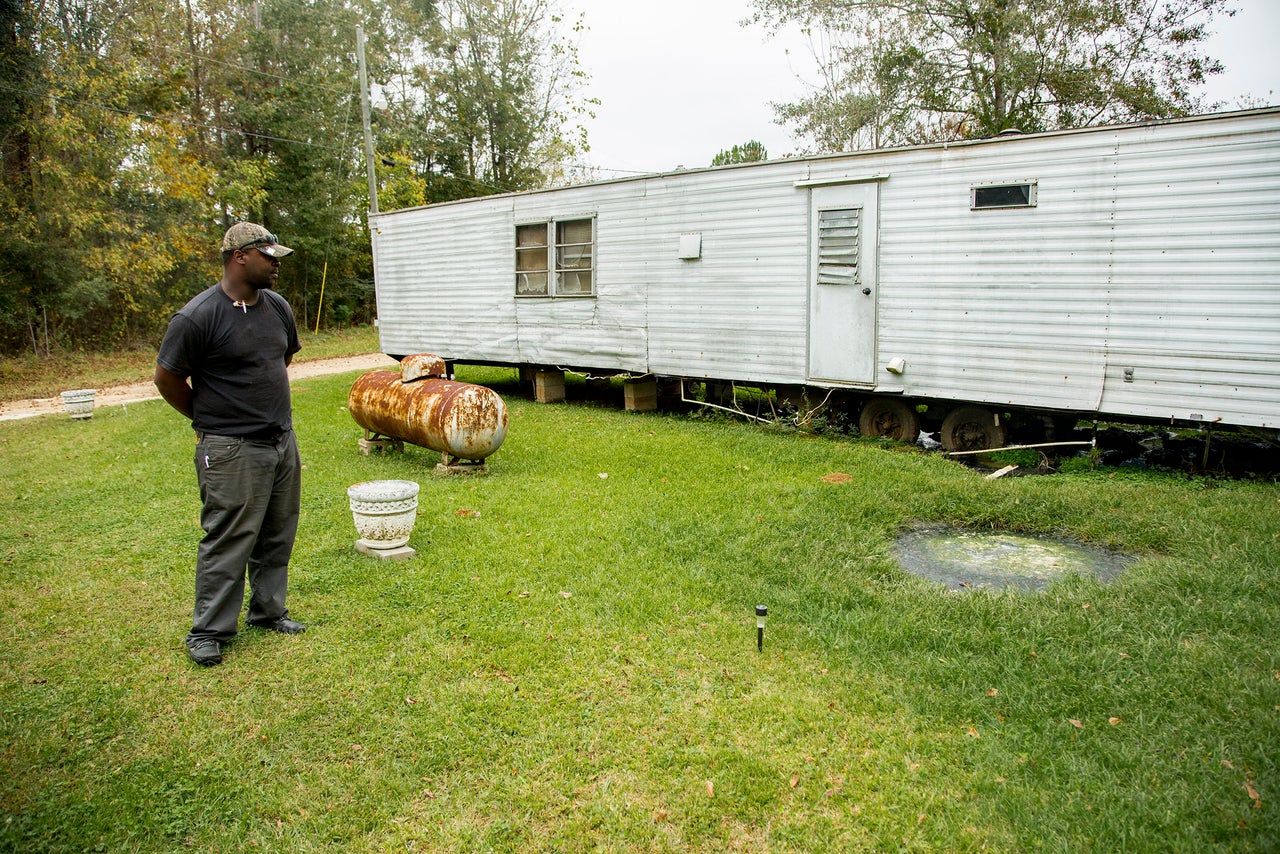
866	292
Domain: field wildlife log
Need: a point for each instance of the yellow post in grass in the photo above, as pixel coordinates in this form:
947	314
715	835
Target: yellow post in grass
323	274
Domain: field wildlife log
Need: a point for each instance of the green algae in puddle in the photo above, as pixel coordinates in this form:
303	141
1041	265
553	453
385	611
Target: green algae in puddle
967	560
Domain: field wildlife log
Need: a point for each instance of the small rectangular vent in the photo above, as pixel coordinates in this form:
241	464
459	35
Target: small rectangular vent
1004	196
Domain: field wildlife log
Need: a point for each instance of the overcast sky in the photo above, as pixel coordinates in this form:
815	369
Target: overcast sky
680	80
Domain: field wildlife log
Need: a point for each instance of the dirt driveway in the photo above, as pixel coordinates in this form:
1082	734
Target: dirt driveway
116	395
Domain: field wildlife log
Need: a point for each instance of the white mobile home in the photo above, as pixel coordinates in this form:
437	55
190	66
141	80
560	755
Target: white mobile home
1129	271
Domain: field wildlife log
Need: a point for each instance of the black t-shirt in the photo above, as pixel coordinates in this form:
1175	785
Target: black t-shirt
235	356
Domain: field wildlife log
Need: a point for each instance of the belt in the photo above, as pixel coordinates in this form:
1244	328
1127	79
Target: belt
269	435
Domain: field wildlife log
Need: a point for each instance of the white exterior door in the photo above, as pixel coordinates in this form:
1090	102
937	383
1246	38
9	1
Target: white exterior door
843	245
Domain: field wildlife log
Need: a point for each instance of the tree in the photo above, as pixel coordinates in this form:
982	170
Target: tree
286	106
497	96
140	130
134	132
83	240
748	152
910	71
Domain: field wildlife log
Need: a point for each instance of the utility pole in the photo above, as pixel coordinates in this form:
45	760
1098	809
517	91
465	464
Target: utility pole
368	129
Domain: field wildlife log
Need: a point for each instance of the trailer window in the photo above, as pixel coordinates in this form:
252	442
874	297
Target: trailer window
1003	196
556	258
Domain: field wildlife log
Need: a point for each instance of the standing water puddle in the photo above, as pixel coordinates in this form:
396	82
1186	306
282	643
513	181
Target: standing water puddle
968	560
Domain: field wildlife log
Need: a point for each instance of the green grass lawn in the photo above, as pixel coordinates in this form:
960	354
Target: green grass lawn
573	664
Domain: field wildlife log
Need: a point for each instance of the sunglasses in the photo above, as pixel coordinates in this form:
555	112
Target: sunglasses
264	240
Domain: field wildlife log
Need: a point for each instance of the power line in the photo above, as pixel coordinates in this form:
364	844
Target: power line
590	166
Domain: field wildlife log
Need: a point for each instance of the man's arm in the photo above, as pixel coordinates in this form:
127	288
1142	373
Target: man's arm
175	390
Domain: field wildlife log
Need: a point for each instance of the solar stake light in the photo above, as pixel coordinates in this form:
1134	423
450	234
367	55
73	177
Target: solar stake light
762	611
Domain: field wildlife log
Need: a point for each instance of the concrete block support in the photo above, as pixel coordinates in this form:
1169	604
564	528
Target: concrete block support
548	386
640	395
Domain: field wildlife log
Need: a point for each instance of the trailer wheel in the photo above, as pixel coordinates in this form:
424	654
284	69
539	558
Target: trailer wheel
890	418
972	428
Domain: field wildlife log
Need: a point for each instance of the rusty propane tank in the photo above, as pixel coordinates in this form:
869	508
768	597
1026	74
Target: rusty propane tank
460	420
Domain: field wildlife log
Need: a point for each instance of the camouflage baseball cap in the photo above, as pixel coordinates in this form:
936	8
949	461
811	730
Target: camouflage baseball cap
250	235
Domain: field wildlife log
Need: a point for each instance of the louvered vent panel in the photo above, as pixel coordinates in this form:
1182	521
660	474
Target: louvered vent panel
839	240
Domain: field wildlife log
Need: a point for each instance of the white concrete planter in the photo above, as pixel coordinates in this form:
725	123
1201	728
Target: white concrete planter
384	512
79	403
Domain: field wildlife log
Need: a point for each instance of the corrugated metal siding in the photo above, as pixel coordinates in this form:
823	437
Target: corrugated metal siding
438	271
1154	248
605	332
445	279
1195	307
998	306
739	313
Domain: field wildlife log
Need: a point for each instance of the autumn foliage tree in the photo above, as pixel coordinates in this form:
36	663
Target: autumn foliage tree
133	132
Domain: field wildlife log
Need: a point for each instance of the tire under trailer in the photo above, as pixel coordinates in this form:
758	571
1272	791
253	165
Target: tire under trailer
972	428
890	418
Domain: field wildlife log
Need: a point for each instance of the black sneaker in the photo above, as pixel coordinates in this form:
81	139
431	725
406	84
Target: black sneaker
284	626
204	651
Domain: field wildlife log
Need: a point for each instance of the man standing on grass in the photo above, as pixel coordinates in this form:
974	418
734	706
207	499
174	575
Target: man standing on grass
234	342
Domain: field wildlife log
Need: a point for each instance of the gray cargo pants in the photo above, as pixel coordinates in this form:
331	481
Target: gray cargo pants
250	490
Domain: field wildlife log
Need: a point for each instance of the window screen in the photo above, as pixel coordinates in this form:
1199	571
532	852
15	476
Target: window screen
839	246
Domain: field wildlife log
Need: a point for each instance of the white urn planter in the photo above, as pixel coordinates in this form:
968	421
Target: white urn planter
79	403
384	513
